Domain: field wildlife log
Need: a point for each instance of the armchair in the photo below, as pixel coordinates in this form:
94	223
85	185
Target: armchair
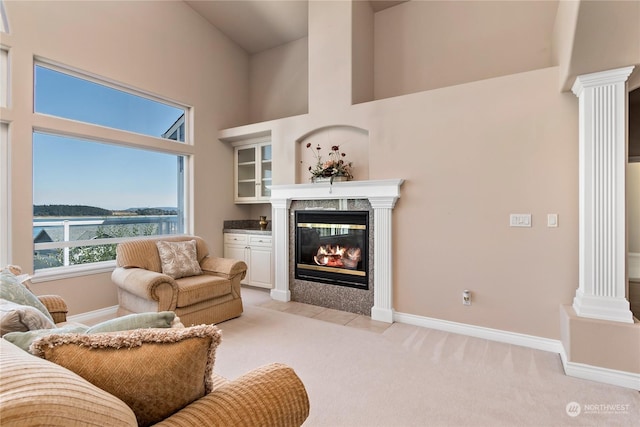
211	297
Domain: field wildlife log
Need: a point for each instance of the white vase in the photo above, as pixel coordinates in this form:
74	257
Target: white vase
323	179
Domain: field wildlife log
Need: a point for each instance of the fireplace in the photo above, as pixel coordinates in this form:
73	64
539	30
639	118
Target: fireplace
331	247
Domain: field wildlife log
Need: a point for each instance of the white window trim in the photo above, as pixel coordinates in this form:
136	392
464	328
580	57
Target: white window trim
5	212
75	129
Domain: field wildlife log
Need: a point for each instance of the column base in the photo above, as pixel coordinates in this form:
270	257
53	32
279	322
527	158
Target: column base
603	308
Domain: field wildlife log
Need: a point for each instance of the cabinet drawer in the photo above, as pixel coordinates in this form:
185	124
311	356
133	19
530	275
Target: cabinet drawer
259	240
238	239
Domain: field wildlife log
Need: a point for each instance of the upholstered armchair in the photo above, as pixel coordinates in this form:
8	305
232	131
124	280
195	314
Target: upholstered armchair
177	274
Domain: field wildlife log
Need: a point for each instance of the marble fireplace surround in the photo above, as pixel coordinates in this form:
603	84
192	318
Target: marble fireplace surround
381	194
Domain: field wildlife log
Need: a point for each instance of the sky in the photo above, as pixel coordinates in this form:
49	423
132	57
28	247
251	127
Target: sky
79	172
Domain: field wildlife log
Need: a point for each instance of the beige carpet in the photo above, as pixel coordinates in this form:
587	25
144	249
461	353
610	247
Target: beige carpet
411	376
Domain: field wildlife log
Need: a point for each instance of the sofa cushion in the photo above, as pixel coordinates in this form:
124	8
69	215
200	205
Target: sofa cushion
179	259
21	318
25	339
195	289
163	319
37	392
12	290
155	371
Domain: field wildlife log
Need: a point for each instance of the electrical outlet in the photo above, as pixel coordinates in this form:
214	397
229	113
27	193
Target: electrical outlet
466	297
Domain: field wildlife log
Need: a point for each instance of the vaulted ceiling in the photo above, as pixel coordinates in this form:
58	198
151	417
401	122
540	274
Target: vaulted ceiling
260	25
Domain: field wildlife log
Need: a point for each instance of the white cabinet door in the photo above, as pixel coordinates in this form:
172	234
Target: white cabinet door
255	250
252	172
260	266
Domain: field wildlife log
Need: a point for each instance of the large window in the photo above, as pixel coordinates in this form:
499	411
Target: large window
93	187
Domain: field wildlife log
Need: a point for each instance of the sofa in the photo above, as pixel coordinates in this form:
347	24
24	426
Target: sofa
34	391
198	287
140	369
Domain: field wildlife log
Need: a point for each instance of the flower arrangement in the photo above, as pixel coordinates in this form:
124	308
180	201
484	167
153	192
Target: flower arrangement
331	168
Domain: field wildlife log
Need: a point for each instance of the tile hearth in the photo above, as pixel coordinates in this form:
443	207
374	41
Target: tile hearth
259	298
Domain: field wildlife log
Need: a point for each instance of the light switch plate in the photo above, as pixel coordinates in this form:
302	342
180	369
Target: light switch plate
520	220
552	220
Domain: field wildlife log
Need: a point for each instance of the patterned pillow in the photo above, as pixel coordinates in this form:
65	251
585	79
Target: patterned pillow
156	372
21	318
179	259
12	290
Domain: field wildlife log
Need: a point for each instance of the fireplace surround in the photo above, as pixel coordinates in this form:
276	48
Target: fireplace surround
380	194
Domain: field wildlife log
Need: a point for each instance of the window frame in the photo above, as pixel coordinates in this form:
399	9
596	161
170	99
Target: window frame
59	126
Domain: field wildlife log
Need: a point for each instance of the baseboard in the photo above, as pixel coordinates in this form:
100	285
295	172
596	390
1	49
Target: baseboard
95	316
572	369
601	375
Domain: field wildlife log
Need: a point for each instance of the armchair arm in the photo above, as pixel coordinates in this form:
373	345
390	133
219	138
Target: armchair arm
144	283
226	267
272	395
56	307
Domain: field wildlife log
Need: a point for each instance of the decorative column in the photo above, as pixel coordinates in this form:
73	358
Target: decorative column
602	168
280	232
382	309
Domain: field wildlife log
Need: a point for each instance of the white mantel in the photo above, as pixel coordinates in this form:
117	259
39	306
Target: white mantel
382	195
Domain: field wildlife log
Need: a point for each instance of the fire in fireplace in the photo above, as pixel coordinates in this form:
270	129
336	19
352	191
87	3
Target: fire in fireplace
332	247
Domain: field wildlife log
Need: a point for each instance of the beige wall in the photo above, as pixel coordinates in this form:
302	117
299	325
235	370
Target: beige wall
425	45
362	48
164	48
279	81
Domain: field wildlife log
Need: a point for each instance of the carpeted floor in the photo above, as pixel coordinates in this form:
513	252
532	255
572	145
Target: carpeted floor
405	375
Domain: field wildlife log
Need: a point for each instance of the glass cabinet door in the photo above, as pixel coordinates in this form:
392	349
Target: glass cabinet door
265	174
246	171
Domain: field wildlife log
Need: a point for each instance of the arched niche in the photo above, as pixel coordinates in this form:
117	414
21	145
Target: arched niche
353	141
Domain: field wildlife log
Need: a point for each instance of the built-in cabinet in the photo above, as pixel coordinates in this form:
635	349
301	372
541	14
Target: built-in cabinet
255	250
252	171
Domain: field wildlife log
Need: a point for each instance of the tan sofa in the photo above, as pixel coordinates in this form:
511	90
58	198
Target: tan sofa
34	391
209	298
37	391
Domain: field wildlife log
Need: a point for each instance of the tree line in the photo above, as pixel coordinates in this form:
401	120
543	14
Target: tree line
82	210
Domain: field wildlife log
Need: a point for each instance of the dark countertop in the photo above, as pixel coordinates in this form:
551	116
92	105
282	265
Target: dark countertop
247	231
246	226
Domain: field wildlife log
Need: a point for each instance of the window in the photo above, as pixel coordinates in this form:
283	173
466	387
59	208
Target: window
92	191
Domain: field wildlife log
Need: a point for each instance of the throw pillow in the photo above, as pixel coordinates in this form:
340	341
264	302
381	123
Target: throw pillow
179	259
21	318
162	319
24	339
155	371
12	290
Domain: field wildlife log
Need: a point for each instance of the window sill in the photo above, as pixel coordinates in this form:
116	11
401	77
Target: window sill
57	273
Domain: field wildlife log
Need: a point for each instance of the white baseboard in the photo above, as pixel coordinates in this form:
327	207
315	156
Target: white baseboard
95	316
538	343
602	375
572	369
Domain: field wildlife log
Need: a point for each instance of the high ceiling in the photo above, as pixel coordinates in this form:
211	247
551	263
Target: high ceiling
258	25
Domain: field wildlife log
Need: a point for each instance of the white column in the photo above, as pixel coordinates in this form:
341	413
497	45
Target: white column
280	232
602	166
382	309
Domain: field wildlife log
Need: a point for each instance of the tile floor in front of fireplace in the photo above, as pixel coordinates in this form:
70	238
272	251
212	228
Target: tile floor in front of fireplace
261	298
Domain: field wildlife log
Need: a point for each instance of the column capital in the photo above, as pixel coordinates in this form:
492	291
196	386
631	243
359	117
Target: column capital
602	78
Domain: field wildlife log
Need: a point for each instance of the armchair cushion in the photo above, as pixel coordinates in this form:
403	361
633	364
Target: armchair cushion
179	259
11	289
154	371
21	318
